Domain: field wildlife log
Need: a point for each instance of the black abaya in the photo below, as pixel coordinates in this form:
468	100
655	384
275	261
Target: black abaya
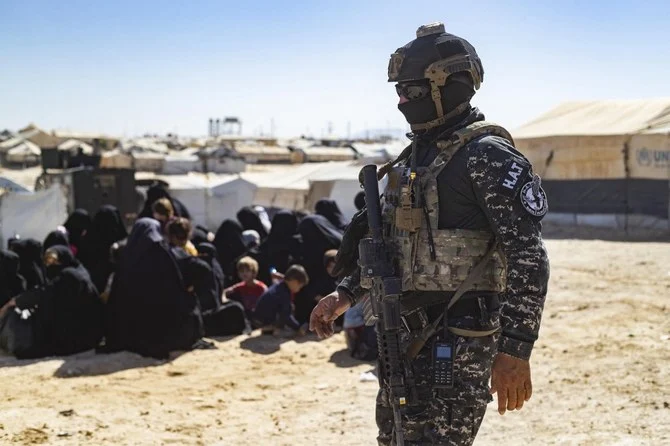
107	229
318	236
67	312
150	312
249	219
55	238
30	261
282	247
330	210
229	247
11	282
77	224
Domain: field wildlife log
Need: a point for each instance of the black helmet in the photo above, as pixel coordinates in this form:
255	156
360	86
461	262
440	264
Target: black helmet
435	56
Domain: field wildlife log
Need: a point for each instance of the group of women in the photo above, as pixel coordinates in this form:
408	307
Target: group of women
155	297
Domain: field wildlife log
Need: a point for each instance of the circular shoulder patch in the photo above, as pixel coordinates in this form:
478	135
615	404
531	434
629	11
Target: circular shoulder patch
535	203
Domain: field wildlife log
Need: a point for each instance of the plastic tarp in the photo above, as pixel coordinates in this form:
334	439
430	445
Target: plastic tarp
32	215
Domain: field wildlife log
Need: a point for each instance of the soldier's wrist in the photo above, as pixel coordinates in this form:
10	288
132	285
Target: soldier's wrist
345	292
514	347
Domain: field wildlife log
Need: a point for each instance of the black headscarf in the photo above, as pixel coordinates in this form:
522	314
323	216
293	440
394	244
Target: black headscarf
68	318
107	228
199	235
77	224
11	282
330	210
155	193
55	238
30	261
359	200
282	247
249	219
149	310
229	246
207	252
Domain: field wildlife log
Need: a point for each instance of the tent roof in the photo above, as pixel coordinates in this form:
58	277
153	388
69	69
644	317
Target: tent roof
598	118
25	147
74	144
299	176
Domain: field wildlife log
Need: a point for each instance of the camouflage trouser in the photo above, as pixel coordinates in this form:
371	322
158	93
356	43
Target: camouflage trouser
444	417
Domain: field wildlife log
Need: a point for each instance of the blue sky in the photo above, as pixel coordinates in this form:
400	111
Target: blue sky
129	67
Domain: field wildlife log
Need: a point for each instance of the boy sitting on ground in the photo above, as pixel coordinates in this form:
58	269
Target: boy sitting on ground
249	290
274	308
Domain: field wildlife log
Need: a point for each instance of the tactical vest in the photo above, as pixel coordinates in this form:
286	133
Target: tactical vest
432	259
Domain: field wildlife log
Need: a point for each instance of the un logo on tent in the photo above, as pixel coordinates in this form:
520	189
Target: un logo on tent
644	157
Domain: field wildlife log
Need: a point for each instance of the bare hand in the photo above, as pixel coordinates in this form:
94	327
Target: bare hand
510	378
326	311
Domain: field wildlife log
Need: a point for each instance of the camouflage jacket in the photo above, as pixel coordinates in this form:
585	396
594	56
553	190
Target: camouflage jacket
488	184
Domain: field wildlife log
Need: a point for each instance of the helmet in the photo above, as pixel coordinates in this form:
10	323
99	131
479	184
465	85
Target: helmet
435	56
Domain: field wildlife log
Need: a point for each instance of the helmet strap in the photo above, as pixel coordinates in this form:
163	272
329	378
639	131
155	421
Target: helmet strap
442	119
437	98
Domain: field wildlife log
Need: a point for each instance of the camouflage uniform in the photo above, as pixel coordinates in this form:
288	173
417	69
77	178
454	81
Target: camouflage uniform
485	176
471	190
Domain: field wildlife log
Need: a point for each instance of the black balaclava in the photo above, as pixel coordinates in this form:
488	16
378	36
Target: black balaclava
457	92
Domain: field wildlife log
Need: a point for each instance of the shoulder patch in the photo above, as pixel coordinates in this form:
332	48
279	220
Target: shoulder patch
533	198
515	172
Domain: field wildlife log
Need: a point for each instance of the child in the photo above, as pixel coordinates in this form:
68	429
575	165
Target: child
273	310
162	211
179	233
249	290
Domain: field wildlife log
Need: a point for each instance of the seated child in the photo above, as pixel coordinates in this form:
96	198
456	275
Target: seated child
249	290
274	309
178	233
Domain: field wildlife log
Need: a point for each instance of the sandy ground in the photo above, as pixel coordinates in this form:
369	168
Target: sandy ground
601	372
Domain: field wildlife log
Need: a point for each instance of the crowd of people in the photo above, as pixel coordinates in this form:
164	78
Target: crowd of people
166	283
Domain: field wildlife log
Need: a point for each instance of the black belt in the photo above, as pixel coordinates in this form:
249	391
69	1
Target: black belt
467	306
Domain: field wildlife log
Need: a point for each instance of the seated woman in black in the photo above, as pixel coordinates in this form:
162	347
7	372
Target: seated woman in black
64	316
11	282
150	311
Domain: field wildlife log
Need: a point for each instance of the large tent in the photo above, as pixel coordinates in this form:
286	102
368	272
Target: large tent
604	163
209	198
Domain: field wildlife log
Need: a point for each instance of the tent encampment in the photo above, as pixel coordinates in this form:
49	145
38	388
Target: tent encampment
603	163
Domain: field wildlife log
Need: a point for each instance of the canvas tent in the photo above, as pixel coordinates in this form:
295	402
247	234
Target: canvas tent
604	163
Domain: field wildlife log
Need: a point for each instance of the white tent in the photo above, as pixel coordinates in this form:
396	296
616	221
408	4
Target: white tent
210	198
300	187
32	215
24	152
74	145
176	163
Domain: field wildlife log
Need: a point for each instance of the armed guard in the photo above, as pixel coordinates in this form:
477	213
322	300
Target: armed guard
450	260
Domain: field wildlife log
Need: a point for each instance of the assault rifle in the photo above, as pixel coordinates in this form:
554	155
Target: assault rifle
384	301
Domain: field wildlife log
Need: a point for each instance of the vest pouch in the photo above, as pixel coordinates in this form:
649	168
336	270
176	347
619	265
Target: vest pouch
457	251
408	219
